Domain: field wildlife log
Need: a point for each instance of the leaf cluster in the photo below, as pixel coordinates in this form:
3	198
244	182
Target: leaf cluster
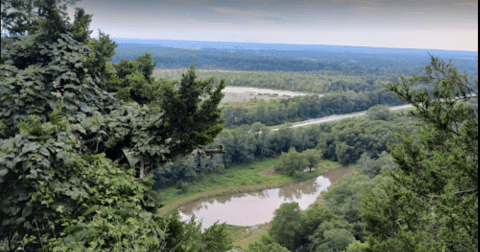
431	203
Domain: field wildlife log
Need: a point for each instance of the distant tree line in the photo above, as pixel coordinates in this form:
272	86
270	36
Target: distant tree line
168	57
276	112
323	81
285	60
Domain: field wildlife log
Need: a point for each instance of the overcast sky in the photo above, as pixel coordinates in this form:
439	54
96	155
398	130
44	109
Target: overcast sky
430	24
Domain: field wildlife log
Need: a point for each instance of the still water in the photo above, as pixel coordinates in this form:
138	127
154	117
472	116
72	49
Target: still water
248	209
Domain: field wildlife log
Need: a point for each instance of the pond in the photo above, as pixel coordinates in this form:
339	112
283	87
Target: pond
248	209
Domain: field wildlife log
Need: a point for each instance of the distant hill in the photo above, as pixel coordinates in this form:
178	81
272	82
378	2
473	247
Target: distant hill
186	44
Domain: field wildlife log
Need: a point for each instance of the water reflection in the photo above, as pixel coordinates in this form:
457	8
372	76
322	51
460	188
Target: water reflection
295	191
248	209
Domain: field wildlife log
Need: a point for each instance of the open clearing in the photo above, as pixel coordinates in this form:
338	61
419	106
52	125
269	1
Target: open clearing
243	94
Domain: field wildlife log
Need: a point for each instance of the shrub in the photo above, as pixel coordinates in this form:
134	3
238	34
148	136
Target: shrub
183	186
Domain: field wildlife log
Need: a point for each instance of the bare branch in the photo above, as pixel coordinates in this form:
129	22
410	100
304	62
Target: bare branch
455	193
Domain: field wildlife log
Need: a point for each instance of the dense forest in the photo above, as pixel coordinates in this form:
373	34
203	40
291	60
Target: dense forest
357	63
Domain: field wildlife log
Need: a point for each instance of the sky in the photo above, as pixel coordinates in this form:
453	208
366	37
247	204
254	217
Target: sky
423	24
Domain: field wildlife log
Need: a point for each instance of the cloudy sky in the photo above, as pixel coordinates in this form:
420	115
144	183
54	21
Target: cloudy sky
430	24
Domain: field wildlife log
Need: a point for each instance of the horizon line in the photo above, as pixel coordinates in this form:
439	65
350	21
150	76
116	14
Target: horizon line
278	43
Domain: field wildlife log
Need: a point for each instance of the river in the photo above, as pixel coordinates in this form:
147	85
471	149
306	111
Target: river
248	209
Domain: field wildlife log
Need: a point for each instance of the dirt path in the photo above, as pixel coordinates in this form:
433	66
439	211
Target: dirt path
338	117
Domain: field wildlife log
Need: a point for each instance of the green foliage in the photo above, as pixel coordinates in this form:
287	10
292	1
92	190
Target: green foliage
356	246
291	162
372	168
344	200
379	112
294	163
35	79
66	143
313	218
101	51
350	139
49	188
20	18
431	203
313	157
357	136
286	225
330	227
258	246
80	26
193	121
334	240
215	239
133	81
276	112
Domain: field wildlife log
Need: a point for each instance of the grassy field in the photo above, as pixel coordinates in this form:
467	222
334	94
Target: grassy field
242	236
256	176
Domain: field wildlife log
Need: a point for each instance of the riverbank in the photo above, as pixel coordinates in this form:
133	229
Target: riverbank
256	176
251	177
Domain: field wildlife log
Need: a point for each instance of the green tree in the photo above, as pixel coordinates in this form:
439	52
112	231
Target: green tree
335	240
372	168
291	163
356	246
258	246
286	225
345	153
431	202
332	235
314	217
191	120
379	112
344	200
313	156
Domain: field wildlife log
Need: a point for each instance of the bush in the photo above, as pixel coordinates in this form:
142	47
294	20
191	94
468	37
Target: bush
291	162
286	225
379	112
297	174
213	179
258	246
183	186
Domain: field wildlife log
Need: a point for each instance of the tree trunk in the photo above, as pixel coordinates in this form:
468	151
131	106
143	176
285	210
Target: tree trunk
215	151
142	168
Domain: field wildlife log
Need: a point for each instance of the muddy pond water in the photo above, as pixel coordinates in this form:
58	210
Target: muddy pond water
248	209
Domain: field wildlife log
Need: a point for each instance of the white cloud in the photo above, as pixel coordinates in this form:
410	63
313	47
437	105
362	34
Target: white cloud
243	13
